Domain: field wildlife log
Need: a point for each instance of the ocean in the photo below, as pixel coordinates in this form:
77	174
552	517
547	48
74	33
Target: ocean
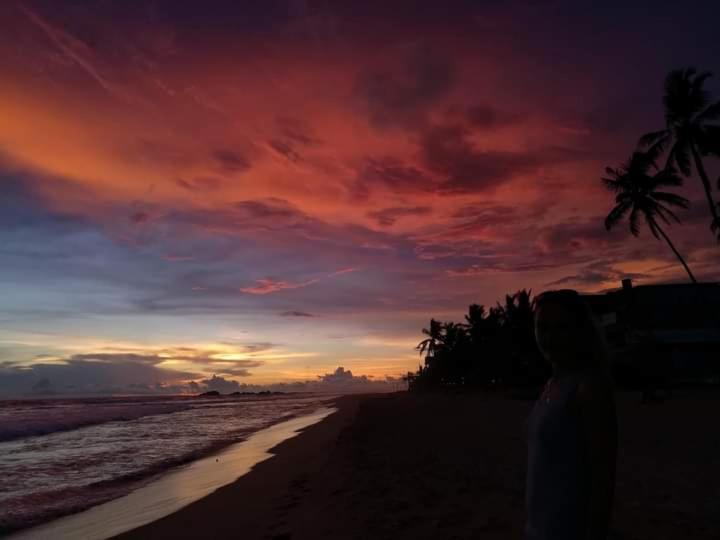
62	456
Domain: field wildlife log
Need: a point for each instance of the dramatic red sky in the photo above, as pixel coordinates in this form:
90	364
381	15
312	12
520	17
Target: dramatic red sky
267	190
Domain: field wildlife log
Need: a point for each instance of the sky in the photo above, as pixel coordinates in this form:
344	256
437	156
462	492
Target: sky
260	192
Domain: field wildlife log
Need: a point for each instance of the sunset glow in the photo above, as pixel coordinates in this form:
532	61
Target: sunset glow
267	193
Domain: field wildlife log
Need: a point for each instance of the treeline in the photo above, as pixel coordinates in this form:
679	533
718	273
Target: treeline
491	348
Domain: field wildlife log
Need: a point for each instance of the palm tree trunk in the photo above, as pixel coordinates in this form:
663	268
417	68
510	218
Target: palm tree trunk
706	184
675	251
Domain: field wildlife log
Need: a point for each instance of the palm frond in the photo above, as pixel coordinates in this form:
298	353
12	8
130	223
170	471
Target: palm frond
640	163
653	137
684	95
634	226
667	177
615	215
612	184
712	112
653	226
699	96
671	198
680	155
663	211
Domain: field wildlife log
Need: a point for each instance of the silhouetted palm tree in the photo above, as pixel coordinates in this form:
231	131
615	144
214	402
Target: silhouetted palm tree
431	343
475	316
456	357
688	131
637	192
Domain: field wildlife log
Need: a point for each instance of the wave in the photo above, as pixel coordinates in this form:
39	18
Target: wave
29	419
31	509
37	508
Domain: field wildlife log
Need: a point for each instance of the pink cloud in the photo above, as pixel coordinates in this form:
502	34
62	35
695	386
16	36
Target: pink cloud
269	285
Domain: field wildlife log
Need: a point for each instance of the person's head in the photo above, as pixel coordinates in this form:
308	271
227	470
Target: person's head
566	332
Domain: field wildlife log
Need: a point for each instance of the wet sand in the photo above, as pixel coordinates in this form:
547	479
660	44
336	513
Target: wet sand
175	489
453	467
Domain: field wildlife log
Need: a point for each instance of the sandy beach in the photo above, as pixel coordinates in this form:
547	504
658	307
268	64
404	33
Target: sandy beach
453	466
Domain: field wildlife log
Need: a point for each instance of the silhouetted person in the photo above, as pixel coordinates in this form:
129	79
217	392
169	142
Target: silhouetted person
572	430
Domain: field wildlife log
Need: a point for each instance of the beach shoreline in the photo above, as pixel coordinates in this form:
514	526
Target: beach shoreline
439	466
260	490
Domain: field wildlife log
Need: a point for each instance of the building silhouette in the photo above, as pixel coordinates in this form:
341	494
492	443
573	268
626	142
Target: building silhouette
661	333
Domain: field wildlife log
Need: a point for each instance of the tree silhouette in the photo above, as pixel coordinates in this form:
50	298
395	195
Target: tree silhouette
688	132
431	343
490	348
637	192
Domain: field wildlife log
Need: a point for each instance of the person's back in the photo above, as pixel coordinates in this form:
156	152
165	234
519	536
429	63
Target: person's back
557	493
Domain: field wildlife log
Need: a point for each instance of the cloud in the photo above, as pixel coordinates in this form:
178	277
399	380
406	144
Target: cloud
129	370
200	183
391	174
284	149
79	53
295	130
24	206
447	150
402	95
340	381
597	274
88	374
484	116
296	314
271	285
575	234
134	373
388	216
274	220
219	384
231	161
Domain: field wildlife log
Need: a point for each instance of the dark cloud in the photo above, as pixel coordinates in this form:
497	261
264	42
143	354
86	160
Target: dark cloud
200	183
127	372
285	149
87	374
219	384
388	216
595	274
270	208
401	95
257	347
230	161
296	131
578	234
296	314
392	174
139	217
292	136
136	374
117	358
482	116
447	150
23	205
340	381
261	215
485	215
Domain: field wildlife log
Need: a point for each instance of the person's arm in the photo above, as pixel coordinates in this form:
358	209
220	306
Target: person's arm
597	407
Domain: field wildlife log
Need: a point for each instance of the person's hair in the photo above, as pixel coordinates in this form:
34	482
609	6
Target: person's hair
591	333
